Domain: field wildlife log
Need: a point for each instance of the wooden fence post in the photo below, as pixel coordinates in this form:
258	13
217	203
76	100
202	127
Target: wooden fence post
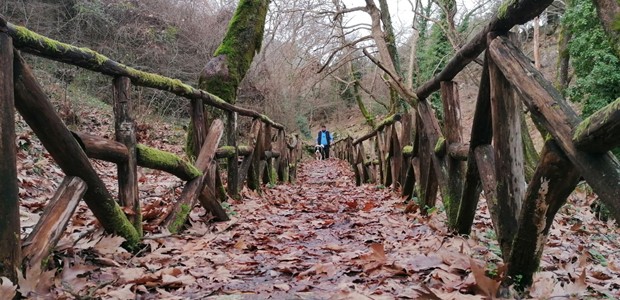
254	168
233	161
452	129
553	181
125	129
481	134
33	104
10	248
246	164
199	130
427	178
194	188
396	155
508	145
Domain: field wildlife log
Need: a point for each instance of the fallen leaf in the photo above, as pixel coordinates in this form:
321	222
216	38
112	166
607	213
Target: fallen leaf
487	286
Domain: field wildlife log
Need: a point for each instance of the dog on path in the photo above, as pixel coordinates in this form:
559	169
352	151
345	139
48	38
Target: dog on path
319	154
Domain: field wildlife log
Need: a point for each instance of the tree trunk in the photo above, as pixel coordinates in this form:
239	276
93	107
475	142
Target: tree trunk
609	13
10	248
563	59
33	104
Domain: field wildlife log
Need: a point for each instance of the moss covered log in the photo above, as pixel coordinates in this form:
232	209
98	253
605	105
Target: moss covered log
228	151
600	132
148	157
389	120
34	43
161	160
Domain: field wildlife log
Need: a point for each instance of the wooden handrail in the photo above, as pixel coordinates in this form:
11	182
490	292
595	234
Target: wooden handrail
386	122
36	44
519	12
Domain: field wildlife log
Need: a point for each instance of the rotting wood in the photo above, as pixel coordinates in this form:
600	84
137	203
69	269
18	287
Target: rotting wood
33	104
509	162
600	132
545	103
485	160
481	134
10	249
51	226
125	131
409	182
183	206
34	43
555	178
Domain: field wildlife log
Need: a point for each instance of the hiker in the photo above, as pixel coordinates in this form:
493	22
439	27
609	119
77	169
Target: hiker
324	138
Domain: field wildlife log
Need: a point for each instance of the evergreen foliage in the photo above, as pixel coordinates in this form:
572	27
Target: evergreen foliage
596	67
433	54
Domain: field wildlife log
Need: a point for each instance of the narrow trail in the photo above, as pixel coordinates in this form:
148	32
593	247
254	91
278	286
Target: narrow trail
322	238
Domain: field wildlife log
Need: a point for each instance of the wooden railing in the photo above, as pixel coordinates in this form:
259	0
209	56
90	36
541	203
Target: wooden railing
438	158
271	156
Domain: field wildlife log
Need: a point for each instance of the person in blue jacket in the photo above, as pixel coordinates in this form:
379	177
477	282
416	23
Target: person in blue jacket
324	138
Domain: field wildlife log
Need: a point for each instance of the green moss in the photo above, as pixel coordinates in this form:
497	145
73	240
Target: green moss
30	36
407	150
440	145
273	176
242	40
162	160
581	128
99	58
227	149
180	220
159	81
124	228
503	9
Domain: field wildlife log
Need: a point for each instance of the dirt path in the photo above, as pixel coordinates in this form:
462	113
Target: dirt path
322	238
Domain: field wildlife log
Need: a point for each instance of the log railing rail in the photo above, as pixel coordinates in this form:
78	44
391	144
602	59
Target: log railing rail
271	156
427	158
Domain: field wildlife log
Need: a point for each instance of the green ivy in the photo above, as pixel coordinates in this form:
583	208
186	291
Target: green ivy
596	67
